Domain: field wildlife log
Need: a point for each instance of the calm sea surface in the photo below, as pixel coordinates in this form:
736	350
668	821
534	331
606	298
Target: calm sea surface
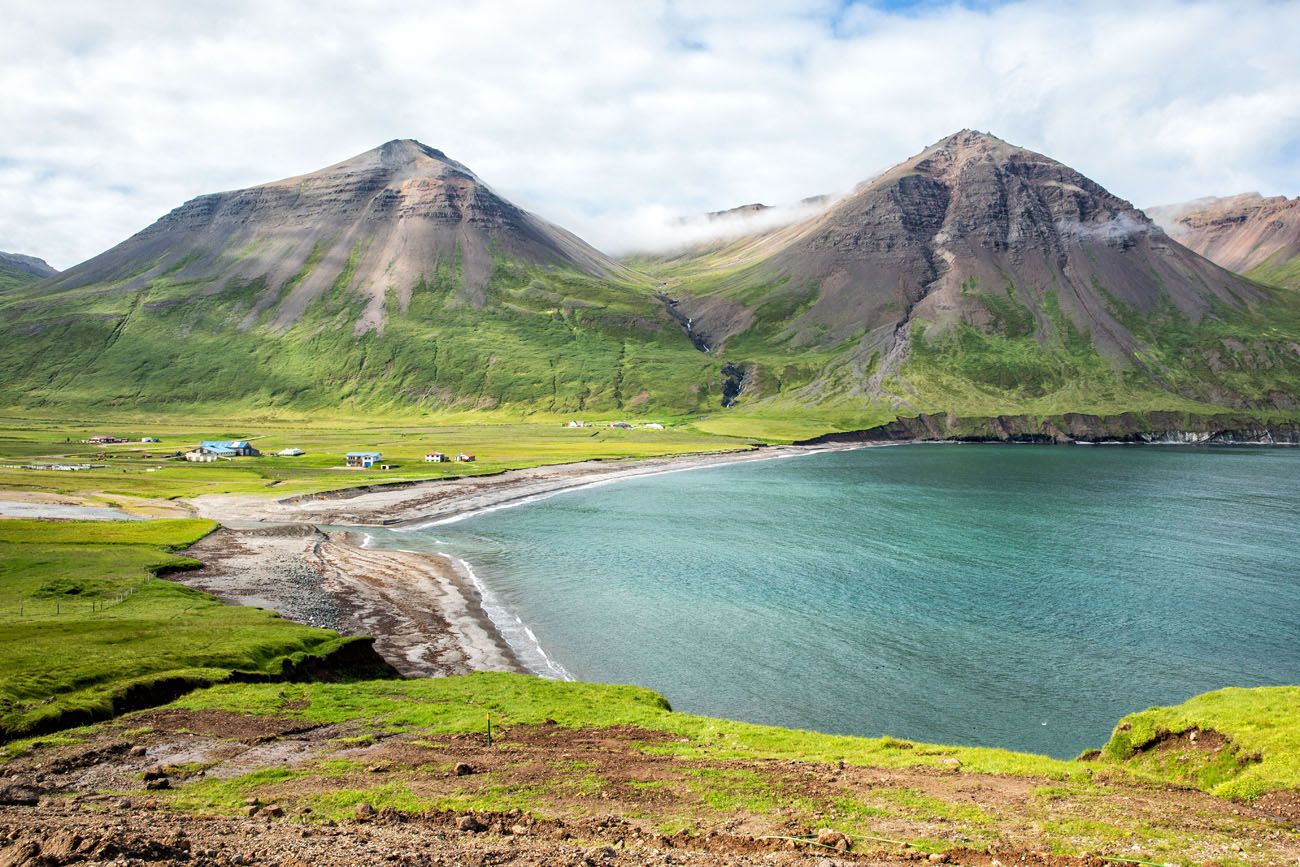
1014	596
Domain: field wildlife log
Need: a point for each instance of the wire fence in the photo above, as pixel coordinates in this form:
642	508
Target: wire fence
36	606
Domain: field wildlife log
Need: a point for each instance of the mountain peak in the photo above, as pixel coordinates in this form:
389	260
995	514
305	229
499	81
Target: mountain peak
375	224
941	236
409	149
969	138
399	158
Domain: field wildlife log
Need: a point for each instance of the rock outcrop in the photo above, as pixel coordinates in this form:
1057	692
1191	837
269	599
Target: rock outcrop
1155	428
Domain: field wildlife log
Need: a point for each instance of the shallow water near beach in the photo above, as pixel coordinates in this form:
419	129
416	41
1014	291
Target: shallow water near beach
1016	596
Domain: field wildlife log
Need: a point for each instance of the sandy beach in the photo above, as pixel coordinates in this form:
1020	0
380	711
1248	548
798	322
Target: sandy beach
422	608
414	502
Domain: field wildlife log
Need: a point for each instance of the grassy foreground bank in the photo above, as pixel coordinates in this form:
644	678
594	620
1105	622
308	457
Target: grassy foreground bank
604	760
90	629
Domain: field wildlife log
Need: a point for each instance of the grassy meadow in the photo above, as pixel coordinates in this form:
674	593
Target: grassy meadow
89	627
126	472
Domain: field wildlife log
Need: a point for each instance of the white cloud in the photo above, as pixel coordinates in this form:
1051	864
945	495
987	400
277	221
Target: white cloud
611	117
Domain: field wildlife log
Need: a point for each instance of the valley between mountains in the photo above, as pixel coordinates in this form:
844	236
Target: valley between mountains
975	278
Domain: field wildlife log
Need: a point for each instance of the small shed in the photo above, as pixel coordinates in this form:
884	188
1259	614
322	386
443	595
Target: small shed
620	424
290	453
464	456
654	425
363	460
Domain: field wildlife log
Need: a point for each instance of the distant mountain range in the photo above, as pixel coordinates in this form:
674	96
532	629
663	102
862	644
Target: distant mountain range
19	270
975	278
1249	234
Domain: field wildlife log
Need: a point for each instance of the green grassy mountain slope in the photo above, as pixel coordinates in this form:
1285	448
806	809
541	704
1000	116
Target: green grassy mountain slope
976	278
613	766
394	280
545	340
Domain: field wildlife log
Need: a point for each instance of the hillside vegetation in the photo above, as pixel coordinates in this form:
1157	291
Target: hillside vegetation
89	629
551	342
1236	743
614	765
18	270
976	278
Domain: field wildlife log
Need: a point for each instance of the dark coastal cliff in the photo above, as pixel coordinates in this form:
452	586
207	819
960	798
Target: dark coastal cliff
1153	427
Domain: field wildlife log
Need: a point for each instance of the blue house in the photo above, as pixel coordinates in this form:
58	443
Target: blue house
229	448
363	460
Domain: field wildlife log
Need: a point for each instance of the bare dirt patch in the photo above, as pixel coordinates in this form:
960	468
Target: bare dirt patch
248	728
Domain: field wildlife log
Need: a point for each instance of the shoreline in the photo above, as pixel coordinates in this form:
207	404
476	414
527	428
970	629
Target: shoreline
424	613
433	499
428	611
311	561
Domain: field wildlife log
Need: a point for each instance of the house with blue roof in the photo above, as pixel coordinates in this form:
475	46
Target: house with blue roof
229	448
363	460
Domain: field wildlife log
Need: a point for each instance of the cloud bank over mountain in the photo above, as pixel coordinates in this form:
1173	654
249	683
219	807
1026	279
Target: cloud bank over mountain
613	119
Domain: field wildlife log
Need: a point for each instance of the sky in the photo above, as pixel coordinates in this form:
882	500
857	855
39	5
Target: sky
611	117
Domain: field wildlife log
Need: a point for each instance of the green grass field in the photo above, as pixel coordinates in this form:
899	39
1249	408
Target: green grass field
89	627
126	472
565	749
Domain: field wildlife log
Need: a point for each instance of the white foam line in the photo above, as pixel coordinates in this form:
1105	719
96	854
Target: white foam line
535	498
515	632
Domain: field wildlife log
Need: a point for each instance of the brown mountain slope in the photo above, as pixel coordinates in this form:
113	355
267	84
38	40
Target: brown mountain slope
1249	234
973	236
378	221
970	215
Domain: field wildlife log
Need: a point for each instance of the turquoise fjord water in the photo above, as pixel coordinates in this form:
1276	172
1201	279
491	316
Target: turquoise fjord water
1014	596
